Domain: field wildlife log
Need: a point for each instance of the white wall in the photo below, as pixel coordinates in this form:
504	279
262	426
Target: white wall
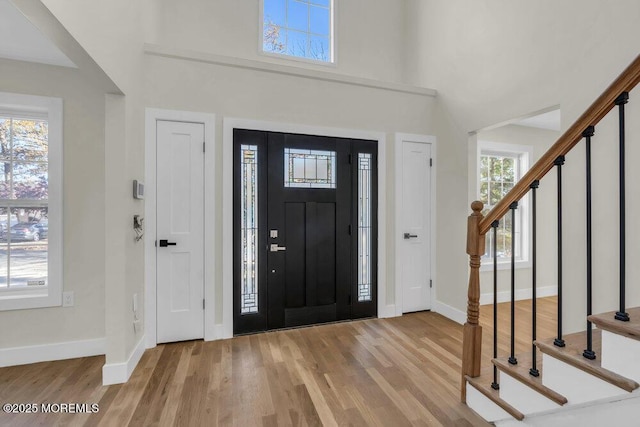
232	92
495	60
370	39
112	33
83	268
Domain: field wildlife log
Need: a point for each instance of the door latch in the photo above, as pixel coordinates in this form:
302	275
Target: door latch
410	236
275	248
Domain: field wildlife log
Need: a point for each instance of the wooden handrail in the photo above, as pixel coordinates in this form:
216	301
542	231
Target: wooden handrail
629	78
478	226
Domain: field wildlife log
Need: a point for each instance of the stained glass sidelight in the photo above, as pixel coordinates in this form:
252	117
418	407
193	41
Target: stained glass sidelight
309	168
249	229
364	227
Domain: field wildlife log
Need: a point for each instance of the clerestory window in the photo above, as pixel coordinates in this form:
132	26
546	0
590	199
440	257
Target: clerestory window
298	29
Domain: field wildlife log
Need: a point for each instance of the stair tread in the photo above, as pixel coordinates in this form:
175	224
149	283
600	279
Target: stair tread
521	373
607	322
572	354
483	385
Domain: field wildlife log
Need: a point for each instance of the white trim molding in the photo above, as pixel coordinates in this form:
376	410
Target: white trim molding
49	352
229	124
288	70
118	373
449	312
521	294
424	139
152	115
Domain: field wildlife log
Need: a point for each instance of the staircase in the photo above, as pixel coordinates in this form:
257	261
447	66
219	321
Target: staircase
588	377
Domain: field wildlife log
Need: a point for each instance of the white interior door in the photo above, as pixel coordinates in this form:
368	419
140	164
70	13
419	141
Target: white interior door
415	250
180	231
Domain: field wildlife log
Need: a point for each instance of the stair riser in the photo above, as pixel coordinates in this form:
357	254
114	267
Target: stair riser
576	385
522	397
484	407
621	355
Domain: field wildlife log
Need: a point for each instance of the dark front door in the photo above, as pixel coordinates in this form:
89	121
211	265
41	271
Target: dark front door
304	210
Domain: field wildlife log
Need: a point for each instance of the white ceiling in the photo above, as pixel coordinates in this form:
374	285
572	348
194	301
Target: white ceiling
549	121
21	40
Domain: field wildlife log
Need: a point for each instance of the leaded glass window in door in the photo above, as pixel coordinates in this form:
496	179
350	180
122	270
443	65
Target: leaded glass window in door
249	229
364	227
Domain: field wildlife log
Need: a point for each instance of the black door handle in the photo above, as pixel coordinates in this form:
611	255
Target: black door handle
165	243
410	236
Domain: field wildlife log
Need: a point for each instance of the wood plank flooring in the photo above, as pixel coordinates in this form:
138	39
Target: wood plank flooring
386	372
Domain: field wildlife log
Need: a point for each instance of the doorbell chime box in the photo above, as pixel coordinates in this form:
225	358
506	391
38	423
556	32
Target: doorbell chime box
138	189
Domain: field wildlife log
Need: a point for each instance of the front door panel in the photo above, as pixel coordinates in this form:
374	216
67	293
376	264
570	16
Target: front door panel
307	249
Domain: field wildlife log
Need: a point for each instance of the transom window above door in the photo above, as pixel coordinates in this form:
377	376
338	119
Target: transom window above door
298	29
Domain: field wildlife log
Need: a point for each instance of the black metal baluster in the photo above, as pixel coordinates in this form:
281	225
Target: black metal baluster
588	352
622	314
559	162
512	357
494	224
534	316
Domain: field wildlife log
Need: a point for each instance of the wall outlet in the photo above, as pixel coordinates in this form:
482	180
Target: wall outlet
67	299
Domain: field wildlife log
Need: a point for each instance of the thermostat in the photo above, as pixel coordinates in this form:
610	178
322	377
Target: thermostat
138	189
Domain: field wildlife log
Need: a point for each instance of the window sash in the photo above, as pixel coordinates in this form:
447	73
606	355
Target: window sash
519	158
33	107
285	28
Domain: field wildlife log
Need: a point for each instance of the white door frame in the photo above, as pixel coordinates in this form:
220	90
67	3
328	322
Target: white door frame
152	115
227	203
400	138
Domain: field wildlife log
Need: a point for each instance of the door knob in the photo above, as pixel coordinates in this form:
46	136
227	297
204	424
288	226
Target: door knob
410	236
165	243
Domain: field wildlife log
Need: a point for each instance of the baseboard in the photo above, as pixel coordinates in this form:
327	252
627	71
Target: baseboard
505	296
388	310
449	312
118	373
48	352
222	332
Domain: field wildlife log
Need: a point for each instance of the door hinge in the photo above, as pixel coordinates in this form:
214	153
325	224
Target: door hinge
203	145
430	283
350	158
203	304
349	229
430	162
349	299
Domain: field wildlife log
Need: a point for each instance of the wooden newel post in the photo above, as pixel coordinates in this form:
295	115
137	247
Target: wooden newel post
472	335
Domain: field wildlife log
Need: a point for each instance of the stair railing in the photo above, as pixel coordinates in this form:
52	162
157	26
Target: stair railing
478	225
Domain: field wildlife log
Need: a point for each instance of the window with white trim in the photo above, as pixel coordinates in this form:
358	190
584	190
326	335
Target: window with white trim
500	167
298	29
30	201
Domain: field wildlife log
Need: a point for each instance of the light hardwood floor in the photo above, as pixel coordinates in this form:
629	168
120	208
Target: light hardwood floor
388	372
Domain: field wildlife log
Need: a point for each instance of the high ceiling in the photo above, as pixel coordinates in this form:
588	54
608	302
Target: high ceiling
21	40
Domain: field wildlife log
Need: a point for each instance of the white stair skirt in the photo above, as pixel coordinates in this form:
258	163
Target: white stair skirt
576	385
621	355
609	413
484	407
523	397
